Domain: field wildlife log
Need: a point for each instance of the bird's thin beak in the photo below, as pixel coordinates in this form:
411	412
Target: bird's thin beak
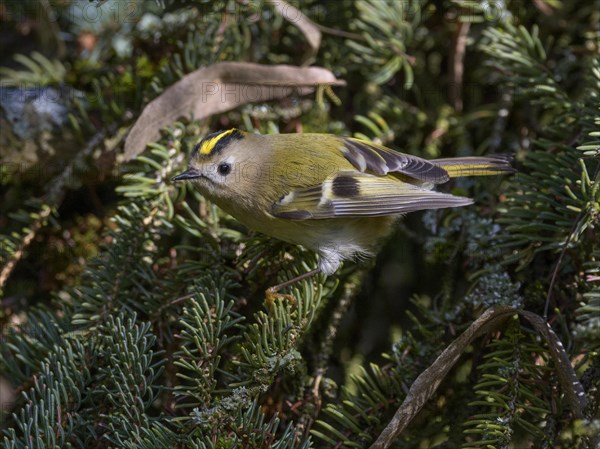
190	173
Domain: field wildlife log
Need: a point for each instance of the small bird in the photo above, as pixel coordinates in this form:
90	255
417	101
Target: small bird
338	196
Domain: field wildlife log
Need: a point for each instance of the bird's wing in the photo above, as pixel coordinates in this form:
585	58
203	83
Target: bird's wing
377	159
356	194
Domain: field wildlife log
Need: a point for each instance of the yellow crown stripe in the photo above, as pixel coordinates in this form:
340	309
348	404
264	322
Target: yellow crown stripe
209	145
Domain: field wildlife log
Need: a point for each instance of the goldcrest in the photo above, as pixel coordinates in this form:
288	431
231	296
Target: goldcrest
338	196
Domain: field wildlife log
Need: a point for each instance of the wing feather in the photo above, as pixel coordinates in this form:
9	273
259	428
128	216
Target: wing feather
368	196
377	159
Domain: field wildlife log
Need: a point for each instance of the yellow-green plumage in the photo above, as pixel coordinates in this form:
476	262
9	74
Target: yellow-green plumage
337	196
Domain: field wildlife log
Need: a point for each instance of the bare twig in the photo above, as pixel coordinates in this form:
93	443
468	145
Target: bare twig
219	88
341	33
543	7
457	64
428	381
311	31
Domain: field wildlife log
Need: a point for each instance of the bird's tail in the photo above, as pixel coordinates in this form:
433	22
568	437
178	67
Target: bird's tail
476	166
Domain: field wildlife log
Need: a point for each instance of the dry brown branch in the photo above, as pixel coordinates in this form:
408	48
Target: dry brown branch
428	381
219	88
311	32
457	64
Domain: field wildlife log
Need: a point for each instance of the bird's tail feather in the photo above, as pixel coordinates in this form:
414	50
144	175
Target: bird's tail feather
477	166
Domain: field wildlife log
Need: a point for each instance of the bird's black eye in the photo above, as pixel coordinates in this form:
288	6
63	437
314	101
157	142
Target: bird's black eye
224	168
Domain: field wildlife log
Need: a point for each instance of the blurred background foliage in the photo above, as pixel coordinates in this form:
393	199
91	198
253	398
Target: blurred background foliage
133	311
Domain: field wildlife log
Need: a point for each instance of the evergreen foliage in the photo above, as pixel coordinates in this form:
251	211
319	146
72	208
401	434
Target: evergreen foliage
149	329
